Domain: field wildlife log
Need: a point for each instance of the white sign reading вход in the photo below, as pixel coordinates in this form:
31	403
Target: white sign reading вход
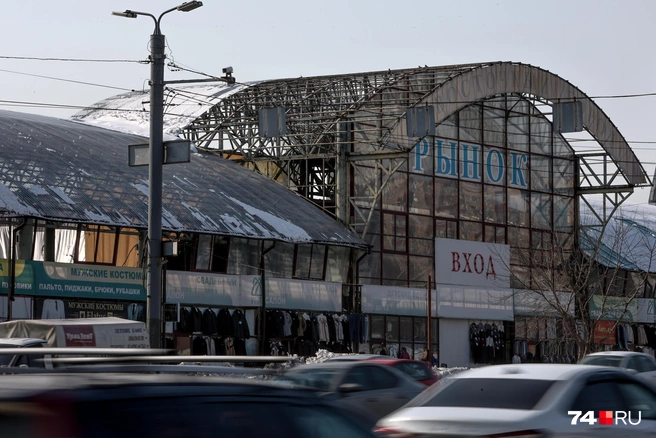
469	263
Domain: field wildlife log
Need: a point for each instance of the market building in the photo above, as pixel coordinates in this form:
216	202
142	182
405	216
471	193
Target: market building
464	180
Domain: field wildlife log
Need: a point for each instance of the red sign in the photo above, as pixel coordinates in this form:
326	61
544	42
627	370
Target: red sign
79	336
604	331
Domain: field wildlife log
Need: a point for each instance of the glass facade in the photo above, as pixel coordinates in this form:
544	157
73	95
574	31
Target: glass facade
494	172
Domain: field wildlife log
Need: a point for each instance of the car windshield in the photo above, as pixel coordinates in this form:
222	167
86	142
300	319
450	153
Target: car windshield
415	370
487	393
5	359
319	378
607	361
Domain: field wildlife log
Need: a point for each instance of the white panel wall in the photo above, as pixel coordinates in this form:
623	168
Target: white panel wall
454	342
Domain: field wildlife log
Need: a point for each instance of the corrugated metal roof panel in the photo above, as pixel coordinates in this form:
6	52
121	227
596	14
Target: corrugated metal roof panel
66	171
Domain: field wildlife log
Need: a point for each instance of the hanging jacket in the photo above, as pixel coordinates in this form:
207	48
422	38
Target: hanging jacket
241	326
224	324
196	320
208	322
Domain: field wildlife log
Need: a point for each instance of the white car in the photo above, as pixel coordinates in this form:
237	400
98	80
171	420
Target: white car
529	400
642	364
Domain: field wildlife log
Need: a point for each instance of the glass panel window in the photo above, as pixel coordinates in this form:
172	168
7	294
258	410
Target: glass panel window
495	204
395	267
337	264
518	132
204	252
562	148
541	210
244	257
318	262
563	214
420	246
446	197
420	226
395	232
471	201
448	128
470	124
395	193
420	330
446	229
420	268
540	173
540	135
563	177
279	262
421	194
471	231
494	125
518	207
369	267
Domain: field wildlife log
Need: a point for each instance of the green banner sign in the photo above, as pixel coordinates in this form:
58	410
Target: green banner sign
614	308
24	277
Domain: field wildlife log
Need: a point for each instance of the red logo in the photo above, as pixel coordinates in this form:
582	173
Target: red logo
606	417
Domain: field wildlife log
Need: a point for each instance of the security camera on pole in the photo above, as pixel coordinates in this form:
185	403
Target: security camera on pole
155	163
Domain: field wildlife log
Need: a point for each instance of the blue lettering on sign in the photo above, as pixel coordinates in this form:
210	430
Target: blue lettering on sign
420	152
470	163
494	162
446	165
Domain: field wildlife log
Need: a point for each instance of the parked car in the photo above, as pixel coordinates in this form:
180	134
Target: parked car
641	363
104	405
417	369
528	400
351	357
17	360
377	388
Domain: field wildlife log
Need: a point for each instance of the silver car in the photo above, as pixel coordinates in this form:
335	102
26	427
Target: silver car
530	400
376	389
644	365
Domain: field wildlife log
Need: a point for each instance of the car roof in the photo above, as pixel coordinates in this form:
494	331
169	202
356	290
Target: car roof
20	341
527	371
27	385
617	353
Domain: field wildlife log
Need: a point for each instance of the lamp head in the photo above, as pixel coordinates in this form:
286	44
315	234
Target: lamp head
127	14
189	6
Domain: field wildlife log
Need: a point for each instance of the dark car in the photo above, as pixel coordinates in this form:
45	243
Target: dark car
417	369
358	385
100	405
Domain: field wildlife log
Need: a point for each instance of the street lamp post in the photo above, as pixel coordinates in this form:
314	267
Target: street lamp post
155	164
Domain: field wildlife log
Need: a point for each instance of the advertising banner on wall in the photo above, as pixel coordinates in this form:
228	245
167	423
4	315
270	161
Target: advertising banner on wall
474	303
88	281
23	280
646	311
203	288
603	332
390	300
466	263
613	308
55	308
543	303
293	294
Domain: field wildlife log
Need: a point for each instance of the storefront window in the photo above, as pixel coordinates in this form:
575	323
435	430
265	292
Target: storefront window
406	329
377	327
391	328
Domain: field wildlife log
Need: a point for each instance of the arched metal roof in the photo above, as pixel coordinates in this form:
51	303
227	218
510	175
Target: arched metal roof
65	171
321	102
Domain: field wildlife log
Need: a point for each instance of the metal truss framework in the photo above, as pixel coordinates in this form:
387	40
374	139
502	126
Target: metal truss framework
334	122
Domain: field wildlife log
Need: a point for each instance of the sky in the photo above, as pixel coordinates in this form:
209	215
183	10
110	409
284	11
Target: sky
603	47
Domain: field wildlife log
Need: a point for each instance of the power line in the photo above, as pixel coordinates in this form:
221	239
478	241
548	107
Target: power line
30	58
66	80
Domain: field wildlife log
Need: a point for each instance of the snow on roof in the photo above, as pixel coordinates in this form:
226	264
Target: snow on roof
72	172
130	112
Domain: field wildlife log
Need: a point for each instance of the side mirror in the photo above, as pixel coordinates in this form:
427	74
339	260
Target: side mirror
346	388
631	371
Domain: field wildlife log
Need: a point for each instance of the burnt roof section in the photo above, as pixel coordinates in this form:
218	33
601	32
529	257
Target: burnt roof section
66	171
